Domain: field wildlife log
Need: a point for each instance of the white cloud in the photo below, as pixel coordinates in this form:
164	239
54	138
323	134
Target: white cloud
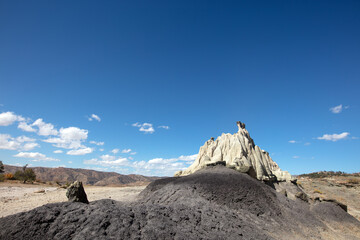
107	157
8	118
9	143
337	109
81	151
334	137
69	138
36	156
307	144
292	141
106	162
165	166
115	151
20	143
133	153
94	117
144	127
126	150
25	127
45	129
97	143
69	161
295	157
101	149
25	139
164	127
30	146
58	151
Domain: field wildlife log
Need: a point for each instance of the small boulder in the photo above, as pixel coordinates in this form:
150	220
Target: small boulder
40	191
302	196
76	193
248	170
336	202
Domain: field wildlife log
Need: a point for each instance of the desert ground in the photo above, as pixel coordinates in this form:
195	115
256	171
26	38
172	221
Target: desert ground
17	197
344	189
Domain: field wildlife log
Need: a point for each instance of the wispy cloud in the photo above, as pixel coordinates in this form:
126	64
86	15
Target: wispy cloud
292	141
159	166
81	151
107	162
164	127
97	143
58	151
165	166
334	137
115	150
36	157
295	157
144	127
126	150
338	109
94	117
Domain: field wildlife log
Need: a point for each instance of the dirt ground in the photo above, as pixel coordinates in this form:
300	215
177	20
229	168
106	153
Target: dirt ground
16	197
334	188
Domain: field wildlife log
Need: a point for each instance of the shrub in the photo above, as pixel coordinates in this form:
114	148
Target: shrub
1	167
26	175
317	191
1	177
353	181
9	176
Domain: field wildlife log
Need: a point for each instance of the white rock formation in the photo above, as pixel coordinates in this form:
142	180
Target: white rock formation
238	151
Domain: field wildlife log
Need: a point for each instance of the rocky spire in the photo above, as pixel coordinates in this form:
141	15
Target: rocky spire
238	151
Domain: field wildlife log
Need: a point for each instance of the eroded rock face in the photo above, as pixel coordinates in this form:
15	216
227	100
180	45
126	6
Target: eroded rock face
239	152
76	193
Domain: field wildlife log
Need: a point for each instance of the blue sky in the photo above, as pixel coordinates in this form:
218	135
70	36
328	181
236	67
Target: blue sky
181	72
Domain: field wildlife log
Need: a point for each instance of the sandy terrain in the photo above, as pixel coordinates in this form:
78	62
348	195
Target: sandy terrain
15	198
334	188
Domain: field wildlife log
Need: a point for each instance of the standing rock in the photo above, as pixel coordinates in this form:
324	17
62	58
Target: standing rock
76	193
239	152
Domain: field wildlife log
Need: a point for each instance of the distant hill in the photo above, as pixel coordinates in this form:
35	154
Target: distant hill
89	177
324	174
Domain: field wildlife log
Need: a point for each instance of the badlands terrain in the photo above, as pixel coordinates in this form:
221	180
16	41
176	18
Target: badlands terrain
17	197
233	190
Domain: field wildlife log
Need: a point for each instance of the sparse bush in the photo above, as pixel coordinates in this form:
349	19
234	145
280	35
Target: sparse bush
2	177
26	175
317	191
1	167
353	181
324	174
9	176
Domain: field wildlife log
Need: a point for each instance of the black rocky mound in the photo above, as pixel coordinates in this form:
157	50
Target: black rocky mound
214	203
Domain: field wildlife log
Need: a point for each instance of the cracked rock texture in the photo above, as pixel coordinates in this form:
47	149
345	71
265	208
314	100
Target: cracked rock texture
238	151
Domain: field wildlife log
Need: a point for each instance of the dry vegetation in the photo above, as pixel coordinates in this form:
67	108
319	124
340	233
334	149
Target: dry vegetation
340	186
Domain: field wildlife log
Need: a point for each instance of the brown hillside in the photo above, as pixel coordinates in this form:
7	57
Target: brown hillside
89	177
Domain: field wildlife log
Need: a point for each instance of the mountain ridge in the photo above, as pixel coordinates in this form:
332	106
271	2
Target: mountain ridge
87	176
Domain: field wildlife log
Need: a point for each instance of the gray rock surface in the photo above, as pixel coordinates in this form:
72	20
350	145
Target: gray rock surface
213	203
239	152
76	193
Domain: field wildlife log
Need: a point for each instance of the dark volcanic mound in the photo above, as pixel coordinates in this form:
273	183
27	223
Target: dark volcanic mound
215	203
